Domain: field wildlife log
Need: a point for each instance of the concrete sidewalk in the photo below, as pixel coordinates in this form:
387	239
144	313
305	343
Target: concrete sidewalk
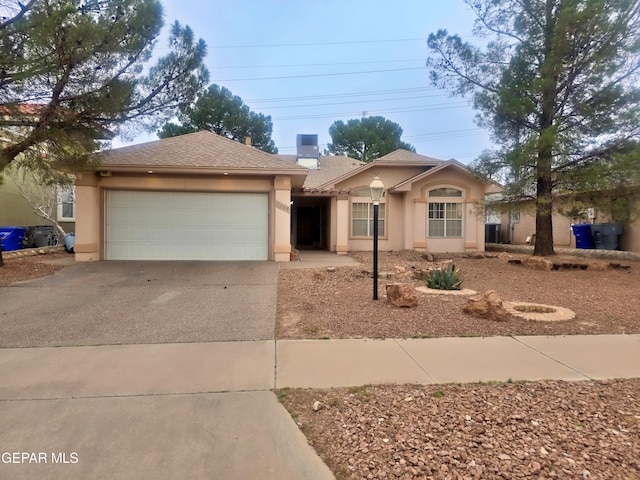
205	410
160	369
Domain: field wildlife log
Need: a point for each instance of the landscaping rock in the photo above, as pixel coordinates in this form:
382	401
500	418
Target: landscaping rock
402	295
487	306
428	257
538	263
598	266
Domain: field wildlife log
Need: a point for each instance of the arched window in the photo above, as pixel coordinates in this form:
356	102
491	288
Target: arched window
445	213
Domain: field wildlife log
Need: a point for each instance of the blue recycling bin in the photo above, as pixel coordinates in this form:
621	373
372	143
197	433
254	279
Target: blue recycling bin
11	238
584	239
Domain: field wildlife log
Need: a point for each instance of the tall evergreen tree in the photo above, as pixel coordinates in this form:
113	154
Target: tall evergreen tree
366	139
73	71
557	86
220	111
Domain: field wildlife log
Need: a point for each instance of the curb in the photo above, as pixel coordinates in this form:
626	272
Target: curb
576	252
31	252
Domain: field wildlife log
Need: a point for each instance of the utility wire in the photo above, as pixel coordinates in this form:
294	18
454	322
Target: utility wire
352	42
296	65
248	79
420	108
357	101
339	95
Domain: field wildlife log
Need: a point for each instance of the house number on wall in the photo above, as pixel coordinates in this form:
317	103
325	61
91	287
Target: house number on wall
282	206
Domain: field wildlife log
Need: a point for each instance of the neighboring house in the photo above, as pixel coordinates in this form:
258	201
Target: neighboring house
15	210
202	196
518	226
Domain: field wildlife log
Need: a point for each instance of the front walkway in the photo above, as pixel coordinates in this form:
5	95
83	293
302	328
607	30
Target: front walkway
319	259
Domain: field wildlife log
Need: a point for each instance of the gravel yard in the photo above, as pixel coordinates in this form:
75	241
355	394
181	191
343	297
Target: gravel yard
26	268
318	303
542	430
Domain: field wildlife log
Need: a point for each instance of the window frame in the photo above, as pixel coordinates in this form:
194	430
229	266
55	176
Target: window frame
61	203
446	205
382	218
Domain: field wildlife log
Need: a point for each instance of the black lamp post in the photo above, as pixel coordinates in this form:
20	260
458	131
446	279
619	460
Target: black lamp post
377	187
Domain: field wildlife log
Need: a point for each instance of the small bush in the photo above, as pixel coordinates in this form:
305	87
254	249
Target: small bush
446	278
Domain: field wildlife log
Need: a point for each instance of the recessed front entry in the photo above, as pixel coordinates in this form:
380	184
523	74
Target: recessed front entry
186	226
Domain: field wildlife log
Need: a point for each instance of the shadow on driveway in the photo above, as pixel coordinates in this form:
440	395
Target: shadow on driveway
106	303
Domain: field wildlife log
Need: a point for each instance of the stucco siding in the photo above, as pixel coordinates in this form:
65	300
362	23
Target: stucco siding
90	208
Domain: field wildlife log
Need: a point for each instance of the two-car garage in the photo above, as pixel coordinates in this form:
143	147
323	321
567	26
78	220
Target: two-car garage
198	196
160	225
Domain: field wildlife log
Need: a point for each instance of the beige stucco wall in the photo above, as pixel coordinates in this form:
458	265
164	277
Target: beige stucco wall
526	227
406	211
473	218
562	233
14	209
90	195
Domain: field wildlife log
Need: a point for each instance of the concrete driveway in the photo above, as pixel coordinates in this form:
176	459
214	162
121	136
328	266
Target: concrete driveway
107	303
178	400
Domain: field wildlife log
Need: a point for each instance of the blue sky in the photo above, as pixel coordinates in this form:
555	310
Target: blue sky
297	61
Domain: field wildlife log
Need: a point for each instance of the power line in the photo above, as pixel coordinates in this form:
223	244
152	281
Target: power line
352	42
357	101
317	75
219	67
419	108
339	95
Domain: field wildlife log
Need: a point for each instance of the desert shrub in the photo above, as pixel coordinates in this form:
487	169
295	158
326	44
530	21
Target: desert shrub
447	278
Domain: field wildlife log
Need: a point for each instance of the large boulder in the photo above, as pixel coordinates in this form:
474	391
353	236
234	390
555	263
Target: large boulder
402	295
488	305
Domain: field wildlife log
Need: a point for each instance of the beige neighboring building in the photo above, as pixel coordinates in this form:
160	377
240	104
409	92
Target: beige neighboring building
518	227
15	210
203	197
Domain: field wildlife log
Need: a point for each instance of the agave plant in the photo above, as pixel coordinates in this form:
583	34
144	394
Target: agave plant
446	278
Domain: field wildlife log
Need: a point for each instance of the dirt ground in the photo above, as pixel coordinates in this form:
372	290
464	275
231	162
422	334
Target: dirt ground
322	304
25	268
541	430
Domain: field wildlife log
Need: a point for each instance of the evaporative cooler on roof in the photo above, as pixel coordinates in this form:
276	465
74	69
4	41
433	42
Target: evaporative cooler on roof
308	153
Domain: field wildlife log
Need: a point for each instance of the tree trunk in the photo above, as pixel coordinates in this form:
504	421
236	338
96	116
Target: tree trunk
546	142
544	214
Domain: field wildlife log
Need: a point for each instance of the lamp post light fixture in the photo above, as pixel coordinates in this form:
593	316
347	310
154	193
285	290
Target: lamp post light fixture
377	188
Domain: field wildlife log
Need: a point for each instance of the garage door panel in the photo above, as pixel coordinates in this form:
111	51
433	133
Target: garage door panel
186	226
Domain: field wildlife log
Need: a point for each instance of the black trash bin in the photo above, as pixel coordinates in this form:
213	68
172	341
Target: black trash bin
41	236
606	236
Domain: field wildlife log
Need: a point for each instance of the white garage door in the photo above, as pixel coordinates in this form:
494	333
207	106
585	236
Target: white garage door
186	226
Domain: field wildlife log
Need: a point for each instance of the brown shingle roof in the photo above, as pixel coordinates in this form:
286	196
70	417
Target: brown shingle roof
397	158
201	149
330	167
405	156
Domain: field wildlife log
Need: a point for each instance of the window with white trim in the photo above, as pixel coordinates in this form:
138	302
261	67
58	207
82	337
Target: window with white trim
445	217
362	215
67	203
